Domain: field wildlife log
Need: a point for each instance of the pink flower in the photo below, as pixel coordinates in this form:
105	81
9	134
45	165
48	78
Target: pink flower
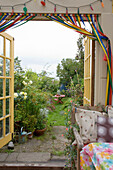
62	135
67	129
71	101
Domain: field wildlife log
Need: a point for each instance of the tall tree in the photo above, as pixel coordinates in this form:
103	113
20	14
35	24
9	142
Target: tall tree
80	56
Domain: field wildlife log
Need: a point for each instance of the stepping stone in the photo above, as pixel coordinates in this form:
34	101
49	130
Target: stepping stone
3	156
34	157
12	157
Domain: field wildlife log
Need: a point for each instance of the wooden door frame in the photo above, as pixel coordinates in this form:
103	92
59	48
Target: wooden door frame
7	137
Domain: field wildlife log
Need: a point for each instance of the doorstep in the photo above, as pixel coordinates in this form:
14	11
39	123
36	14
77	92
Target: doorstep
40	160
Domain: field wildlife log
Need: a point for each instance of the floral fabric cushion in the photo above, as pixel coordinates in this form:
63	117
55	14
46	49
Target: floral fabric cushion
104	129
87	121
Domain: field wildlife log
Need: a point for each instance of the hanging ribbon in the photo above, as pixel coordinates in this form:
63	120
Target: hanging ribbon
70	21
14	19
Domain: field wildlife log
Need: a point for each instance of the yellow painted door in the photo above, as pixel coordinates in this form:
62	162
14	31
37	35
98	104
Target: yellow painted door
6	88
87	72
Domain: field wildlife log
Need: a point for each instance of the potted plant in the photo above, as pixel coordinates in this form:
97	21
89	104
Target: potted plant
29	123
40	126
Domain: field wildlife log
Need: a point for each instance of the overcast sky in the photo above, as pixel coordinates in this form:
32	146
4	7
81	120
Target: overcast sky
41	45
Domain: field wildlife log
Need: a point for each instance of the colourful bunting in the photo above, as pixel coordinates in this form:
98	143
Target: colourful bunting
91	8
43	3
25	9
55	9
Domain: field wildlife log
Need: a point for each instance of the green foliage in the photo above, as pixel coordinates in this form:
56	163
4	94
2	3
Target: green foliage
66	69
71	74
53	137
70	150
30	97
19	75
57	153
46	83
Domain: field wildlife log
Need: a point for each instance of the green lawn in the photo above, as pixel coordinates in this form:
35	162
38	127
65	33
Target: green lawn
57	116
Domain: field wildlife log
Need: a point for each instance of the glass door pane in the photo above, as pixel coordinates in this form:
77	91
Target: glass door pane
7	67
1	108
1	87
1	129
1	66
7	48
7	125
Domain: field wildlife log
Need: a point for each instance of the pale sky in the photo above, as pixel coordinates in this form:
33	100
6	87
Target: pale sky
41	45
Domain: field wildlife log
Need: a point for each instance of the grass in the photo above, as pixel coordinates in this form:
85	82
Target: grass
56	117
57	153
7	151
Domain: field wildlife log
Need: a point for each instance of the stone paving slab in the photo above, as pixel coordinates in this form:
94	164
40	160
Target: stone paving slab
34	157
3	156
12	157
54	157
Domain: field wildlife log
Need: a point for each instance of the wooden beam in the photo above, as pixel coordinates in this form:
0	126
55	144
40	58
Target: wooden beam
93	73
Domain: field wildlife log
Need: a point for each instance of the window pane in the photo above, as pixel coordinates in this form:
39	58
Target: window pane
1	87
7	48
7	67
1	66
1	108
7	106
1	129
7	125
7	87
1	45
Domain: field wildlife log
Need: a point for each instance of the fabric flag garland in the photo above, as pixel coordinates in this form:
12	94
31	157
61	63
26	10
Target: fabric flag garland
73	21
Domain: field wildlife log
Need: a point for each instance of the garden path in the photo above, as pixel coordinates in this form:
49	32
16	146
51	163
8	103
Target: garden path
52	141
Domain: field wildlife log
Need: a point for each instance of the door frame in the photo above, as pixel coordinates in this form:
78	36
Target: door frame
10	116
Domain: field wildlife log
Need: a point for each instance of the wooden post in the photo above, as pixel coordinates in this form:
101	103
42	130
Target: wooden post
92	72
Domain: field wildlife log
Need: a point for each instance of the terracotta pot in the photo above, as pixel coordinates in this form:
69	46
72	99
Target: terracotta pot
30	135
39	132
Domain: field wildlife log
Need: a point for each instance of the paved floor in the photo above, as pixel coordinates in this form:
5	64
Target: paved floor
34	158
36	152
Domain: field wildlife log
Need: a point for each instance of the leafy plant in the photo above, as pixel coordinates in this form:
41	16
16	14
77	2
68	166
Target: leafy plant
41	122
70	150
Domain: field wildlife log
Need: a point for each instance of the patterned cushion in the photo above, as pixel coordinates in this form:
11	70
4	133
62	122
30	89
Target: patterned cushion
104	129
110	111
86	120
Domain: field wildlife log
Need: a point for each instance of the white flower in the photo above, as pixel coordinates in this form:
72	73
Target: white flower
24	83
26	78
21	93
30	82
23	76
0	72
15	95
1	65
25	97
25	94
